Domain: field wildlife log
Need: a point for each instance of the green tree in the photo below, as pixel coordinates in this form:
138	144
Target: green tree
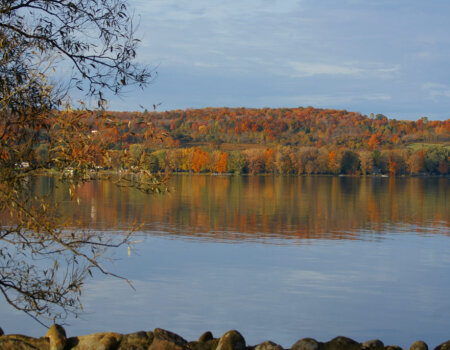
237	163
349	162
136	152
381	161
433	158
366	162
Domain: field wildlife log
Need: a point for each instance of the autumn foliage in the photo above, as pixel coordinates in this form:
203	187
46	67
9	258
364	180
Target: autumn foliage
283	141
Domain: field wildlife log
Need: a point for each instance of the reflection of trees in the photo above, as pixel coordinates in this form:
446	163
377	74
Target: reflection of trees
289	207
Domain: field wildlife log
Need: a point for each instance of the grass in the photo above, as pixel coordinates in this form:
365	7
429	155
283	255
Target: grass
419	145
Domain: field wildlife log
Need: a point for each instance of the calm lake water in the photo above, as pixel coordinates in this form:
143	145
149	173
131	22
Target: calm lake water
277	258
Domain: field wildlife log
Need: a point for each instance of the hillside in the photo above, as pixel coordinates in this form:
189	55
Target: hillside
286	141
295	127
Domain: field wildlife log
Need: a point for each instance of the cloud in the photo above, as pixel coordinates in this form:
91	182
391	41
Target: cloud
215	9
436	90
376	97
334	100
306	69
303	69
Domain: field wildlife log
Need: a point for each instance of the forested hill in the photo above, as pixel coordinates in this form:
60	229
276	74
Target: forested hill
285	140
290	126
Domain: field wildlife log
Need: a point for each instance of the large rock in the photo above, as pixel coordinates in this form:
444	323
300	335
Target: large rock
231	340
205	342
419	345
443	346
208	345
136	341
96	341
1	332
207	336
342	343
268	345
374	344
165	340
22	342
57	336
307	344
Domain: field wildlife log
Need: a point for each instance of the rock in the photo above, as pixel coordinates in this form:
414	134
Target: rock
136	341
21	342
374	344
165	340
392	347
57	336
307	344
206	345
342	343
205	337
1	332
231	340
205	342
419	345
268	345
443	346
96	341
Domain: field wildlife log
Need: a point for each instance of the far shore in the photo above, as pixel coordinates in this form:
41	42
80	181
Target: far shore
105	173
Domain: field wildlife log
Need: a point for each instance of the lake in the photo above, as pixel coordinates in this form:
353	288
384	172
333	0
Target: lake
277	258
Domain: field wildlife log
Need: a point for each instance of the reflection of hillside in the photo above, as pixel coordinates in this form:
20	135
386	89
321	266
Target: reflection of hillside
257	208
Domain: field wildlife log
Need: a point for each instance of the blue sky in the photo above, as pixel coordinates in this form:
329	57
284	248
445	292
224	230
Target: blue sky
380	56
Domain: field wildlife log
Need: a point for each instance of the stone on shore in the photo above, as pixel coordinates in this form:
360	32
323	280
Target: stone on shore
307	344
207	336
374	344
231	340
166	340
136	341
57	337
22	342
443	346
161	339
205	342
342	343
268	345
96	341
419	345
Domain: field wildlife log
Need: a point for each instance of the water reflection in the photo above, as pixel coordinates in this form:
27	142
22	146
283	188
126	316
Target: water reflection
269	209
370	259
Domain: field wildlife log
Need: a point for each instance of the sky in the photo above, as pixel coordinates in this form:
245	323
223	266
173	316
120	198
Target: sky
369	56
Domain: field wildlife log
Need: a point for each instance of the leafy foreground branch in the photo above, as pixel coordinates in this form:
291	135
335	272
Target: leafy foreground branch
43	260
97	38
44	263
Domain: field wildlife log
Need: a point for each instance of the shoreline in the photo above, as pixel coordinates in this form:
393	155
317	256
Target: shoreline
106	173
160	339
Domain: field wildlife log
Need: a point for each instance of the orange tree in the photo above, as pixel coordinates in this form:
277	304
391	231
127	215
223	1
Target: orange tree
38	131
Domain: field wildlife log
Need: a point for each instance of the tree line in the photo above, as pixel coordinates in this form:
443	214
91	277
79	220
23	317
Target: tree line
291	160
266	141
